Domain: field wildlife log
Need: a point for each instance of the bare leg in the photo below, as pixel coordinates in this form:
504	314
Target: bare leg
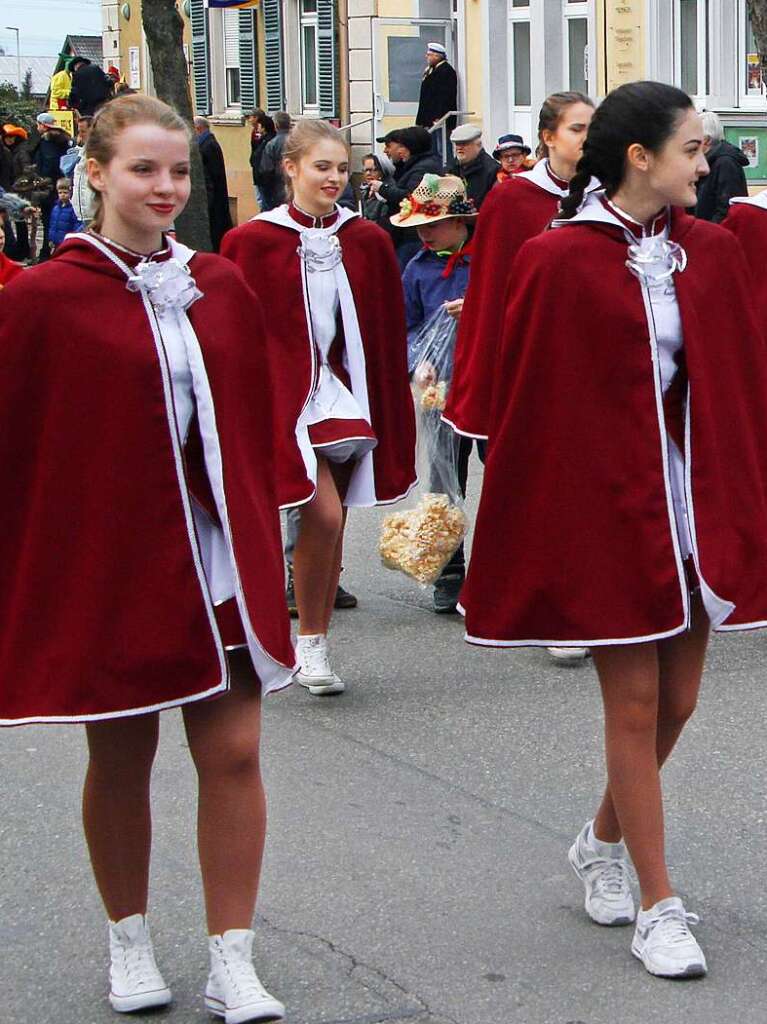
316	565
649	692
223	739
116	813
680	660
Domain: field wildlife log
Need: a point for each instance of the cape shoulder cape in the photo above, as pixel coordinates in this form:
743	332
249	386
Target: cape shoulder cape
747	220
372	319
575	539
513	212
104	604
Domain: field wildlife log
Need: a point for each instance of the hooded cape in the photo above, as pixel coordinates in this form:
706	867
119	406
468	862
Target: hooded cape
372	328
105	607
575	541
747	220
514	211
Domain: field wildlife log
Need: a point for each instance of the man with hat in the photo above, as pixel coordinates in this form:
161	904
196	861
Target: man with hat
54	143
512	154
437	278
439	88
473	163
410	149
91	88
61	83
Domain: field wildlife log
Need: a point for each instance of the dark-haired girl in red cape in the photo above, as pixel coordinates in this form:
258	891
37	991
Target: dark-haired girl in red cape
624	504
331	284
140	540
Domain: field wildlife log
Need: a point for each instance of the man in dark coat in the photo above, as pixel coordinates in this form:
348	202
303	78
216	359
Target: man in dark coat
473	163
439	88
271	178
54	143
410	149
91	88
215	182
726	177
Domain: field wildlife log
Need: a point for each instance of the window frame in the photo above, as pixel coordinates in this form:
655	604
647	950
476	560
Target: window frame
702	44
578	10
309	19
515	16
746	100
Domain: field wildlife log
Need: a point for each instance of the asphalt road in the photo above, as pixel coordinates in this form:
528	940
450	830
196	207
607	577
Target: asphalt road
416	863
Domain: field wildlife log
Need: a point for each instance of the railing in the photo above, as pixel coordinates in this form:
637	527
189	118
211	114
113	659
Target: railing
441	126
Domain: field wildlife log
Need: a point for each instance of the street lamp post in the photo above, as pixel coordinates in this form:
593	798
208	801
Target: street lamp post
11	28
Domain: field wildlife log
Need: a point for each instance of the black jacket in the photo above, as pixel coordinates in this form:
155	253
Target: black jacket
439	93
406	176
725	180
216	186
51	148
90	89
479	175
257	154
271	180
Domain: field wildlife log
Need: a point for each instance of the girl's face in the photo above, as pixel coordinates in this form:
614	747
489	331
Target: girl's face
370	172
320	176
145	185
675	170
566	141
512	160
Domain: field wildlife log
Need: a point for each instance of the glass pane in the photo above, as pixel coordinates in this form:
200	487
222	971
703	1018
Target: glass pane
753	69
520	3
310	66
688	40
309	6
577	42
521	63
232	86
405	62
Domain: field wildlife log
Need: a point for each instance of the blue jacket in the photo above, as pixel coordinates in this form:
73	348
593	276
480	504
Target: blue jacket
63	220
426	289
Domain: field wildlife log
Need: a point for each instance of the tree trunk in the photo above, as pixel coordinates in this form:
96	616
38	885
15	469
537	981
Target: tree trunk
757	10
164	35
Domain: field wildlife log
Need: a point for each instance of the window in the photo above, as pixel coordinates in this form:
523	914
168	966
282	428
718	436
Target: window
309	56
519	40
752	72
576	45
232	57
691	22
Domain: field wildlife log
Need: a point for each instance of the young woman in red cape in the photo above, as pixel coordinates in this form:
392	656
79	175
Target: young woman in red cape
140	539
332	286
747	219
624	505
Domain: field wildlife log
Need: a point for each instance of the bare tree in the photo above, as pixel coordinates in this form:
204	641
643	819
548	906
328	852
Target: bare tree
164	35
757	10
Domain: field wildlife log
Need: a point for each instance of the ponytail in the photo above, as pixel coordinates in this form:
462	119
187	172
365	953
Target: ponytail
573	200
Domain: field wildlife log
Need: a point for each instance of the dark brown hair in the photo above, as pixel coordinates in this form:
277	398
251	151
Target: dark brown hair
552	112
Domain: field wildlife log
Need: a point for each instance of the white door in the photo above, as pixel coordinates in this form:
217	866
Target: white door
399	48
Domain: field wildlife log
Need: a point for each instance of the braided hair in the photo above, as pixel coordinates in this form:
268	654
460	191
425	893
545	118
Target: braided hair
640	112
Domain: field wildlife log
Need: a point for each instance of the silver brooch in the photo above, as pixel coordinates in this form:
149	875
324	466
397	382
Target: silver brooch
656	259
167	285
317	260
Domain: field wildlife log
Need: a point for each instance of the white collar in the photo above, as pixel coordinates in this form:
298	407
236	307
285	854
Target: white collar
281	216
540	176
759	200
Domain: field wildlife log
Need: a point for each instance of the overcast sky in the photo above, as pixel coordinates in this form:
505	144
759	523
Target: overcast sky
44	24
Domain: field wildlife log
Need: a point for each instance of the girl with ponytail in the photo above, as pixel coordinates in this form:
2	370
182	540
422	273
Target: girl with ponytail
627	467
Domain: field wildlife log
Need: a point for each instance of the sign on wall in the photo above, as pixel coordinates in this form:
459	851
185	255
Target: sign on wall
134	67
625	41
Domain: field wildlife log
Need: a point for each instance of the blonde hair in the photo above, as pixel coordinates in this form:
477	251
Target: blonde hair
303	137
112	119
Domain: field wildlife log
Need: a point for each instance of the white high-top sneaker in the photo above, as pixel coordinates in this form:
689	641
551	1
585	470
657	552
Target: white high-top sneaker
135	981
233	990
315	672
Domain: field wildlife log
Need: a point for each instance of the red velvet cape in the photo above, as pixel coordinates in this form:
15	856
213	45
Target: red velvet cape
101	604
748	223
512	212
573	540
267	255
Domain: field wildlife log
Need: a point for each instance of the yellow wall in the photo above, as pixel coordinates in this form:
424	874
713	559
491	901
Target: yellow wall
235	142
474	82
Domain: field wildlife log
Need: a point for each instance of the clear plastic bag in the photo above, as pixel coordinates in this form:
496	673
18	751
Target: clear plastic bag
420	541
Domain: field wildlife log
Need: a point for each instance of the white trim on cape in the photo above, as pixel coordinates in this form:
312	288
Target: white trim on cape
540	176
759	200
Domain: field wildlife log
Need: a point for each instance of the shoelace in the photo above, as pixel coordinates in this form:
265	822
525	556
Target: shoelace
315	660
673	927
613	880
138	964
243	980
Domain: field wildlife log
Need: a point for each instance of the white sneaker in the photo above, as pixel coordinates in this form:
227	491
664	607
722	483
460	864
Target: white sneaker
315	672
135	981
566	654
233	990
664	943
604	872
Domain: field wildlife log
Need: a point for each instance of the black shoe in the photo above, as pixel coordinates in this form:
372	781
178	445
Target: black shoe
344	599
290	595
446	592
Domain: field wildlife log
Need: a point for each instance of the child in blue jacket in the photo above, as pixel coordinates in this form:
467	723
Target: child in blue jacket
63	217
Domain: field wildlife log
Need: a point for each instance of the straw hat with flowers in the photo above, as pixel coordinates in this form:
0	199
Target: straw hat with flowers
435	198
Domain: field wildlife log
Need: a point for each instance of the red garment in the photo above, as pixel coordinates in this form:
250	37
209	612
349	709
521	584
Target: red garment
748	222
509	216
8	270
267	255
103	607
575	539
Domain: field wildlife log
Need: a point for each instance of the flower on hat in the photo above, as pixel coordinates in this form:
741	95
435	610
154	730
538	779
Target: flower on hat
405	209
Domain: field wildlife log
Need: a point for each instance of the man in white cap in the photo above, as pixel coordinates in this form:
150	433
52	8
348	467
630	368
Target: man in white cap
473	163
439	88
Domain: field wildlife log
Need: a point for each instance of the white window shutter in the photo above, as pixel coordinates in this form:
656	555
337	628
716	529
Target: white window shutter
248	60
200	57
327	62
273	49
